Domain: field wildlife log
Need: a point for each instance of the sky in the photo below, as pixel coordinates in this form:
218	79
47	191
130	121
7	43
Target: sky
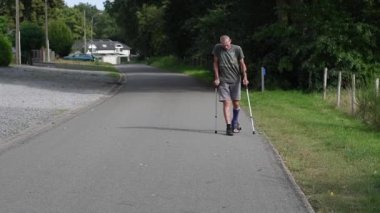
97	3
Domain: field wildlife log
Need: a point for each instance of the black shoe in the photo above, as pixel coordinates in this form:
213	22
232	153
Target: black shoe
229	130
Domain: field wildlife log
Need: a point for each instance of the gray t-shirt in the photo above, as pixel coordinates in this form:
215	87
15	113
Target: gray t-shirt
229	68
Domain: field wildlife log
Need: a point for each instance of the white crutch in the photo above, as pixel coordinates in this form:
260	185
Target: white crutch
216	110
250	111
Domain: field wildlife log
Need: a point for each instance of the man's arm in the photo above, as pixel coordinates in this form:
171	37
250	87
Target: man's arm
216	71
243	69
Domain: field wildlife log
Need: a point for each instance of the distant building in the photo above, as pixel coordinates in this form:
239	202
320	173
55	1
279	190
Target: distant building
107	50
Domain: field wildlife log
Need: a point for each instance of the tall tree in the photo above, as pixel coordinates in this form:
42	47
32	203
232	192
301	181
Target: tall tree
105	27
181	18
124	12
35	10
151	38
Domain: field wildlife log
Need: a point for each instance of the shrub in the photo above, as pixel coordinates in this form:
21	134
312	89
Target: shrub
5	51
60	37
32	37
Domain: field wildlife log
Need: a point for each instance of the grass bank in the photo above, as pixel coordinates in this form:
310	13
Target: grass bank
88	66
334	158
85	65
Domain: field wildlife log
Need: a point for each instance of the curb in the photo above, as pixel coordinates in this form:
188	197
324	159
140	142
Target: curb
289	175
67	74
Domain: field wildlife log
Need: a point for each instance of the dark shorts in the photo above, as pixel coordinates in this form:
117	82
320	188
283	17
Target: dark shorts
229	92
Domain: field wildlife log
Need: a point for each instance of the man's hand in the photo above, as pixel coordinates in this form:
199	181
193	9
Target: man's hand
216	82
245	82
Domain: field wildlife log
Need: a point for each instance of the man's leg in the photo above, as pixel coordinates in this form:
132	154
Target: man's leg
225	97
235	118
227	116
236	95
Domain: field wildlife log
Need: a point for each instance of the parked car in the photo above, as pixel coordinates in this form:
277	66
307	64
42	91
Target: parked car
80	57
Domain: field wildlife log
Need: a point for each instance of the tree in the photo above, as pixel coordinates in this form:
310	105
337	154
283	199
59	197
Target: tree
181	18
3	25
73	18
105	27
60	38
34	11
294	39
5	51
32	37
317	35
125	14
6	7
151	38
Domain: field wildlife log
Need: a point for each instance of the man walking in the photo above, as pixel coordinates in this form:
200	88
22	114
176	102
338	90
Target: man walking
229	67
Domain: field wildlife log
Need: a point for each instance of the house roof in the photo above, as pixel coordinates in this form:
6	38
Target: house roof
101	44
108	44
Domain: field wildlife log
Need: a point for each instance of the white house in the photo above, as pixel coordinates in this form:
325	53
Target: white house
107	50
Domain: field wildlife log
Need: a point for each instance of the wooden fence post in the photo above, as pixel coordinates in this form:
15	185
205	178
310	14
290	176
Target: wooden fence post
325	84
339	88
353	95
377	87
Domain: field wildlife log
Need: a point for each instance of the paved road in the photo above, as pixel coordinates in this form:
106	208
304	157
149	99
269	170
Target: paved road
149	149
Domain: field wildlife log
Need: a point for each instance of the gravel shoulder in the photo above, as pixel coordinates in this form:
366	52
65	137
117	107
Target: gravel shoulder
32	97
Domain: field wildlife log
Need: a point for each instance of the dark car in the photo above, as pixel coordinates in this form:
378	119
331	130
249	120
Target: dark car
80	57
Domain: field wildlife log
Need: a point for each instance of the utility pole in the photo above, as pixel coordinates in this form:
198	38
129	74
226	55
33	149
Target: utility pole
92	45
92	41
92	26
18	45
84	29
47	33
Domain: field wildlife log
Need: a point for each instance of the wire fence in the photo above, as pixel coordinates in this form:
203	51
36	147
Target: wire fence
345	82
352	88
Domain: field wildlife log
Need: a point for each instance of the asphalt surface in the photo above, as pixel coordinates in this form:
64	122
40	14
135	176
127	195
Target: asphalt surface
149	148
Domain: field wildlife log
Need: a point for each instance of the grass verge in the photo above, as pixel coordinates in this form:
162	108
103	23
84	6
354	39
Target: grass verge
170	63
89	66
85	65
335	158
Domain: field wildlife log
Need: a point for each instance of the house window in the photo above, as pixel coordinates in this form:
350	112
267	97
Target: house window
118	48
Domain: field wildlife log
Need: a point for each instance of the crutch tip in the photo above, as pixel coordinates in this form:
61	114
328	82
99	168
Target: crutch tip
216	132
253	132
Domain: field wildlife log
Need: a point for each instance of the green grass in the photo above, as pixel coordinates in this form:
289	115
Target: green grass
334	158
85	65
89	66
170	63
